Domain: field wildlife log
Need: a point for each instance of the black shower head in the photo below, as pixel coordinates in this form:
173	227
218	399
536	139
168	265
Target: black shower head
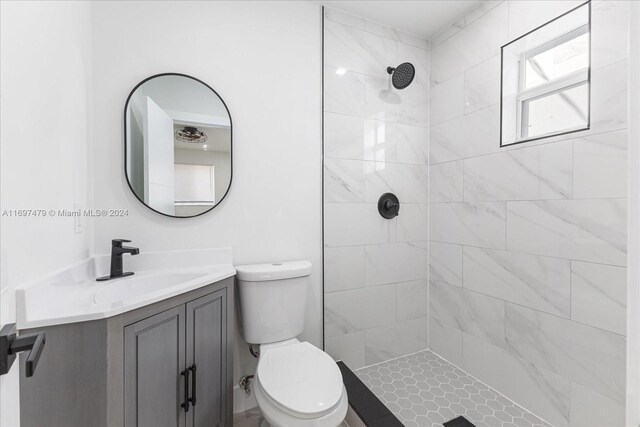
402	75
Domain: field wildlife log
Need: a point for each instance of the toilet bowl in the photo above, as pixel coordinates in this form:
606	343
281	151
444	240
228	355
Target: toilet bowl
296	384
299	385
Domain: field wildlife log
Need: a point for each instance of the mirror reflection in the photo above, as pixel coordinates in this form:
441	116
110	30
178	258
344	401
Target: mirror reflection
177	145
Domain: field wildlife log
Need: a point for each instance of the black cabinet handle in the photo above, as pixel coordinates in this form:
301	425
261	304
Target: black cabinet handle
185	374
192	399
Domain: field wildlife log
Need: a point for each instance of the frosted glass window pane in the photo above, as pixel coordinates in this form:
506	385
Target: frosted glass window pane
559	61
194	183
560	111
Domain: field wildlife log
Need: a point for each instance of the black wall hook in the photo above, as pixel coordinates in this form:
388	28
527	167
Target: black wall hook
388	205
11	343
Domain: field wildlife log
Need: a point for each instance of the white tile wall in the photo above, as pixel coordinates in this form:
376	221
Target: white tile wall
475	224
587	229
348	270
358	309
587	355
376	141
474	44
344	93
446	184
541	172
471	135
348	224
525	286
343	136
395	262
482	85
408	182
395	339
600	166
468	311
445	263
538	282
344	181
538	389
592	409
410	299
528	243
599	295
445	340
413	225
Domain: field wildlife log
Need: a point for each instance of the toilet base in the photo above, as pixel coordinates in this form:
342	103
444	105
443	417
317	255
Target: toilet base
265	423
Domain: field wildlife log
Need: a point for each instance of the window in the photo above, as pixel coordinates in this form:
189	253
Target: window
545	80
194	184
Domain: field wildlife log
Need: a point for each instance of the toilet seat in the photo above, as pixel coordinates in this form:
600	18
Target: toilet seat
300	379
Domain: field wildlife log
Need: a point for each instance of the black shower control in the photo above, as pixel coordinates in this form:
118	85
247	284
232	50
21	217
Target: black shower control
388	205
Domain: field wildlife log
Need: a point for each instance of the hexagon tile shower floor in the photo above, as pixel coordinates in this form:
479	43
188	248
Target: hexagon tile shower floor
424	390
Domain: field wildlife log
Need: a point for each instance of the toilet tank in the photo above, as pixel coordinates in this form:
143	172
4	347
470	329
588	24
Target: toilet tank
273	300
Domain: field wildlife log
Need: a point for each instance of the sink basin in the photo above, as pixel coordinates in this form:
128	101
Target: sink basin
131	287
72	294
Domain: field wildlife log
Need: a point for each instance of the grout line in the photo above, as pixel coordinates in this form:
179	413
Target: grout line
474	246
571	290
522	200
493	297
527	253
322	166
429	186
506	228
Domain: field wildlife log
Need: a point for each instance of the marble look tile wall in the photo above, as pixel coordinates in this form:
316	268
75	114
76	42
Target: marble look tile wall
528	243
375	141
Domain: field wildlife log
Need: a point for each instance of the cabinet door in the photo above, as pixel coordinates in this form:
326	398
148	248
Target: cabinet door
207	350
154	357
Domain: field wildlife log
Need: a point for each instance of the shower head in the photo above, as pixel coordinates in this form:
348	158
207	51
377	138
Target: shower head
402	75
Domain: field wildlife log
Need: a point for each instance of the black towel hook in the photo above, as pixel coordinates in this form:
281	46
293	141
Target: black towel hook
11	343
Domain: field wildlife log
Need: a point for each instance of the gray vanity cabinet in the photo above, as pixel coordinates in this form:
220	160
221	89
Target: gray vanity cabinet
206	352
175	366
154	357
128	370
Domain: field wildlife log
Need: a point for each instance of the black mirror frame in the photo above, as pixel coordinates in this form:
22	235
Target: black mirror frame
126	105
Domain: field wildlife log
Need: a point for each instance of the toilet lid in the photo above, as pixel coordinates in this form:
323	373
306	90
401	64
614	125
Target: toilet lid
301	378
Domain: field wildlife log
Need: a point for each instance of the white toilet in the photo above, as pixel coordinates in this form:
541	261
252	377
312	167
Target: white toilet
296	384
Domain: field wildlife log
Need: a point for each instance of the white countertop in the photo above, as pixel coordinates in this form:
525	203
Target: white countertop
69	295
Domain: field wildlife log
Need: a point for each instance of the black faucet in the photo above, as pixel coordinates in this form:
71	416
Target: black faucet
117	250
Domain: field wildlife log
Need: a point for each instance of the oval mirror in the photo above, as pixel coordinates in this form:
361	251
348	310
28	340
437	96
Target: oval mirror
178	137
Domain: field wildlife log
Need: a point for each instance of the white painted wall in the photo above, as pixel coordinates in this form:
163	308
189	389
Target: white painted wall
264	59
44	157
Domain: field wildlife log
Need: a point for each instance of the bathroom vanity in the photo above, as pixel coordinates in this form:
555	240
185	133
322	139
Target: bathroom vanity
161	358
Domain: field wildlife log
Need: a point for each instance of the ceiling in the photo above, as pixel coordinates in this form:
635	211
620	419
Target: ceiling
219	140
422	18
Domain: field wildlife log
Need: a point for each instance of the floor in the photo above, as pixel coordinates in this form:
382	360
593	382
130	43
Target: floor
249	418
422	389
